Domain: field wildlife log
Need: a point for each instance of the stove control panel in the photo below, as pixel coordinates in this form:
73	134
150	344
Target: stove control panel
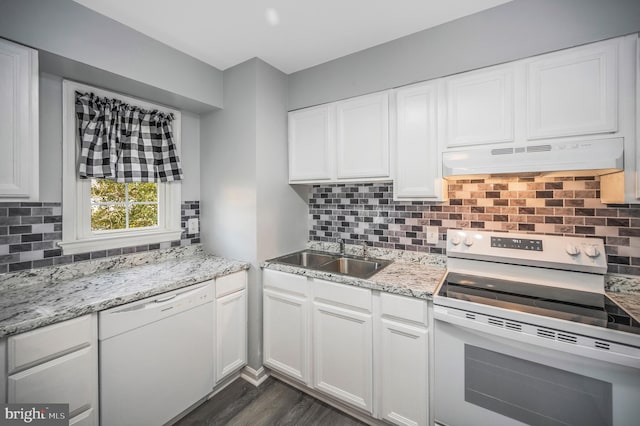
547	251
517	243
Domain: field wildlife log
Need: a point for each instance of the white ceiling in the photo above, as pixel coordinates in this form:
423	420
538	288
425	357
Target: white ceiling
288	34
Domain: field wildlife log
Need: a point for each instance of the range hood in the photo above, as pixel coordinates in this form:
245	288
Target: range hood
601	156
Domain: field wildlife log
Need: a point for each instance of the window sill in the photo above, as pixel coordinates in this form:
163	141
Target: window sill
108	242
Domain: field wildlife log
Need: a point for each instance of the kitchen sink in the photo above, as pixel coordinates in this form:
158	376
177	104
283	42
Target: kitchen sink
306	259
360	268
336	263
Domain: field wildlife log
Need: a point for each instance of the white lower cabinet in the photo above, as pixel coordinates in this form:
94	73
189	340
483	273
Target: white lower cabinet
364	348
230	324
286	324
56	364
343	349
403	368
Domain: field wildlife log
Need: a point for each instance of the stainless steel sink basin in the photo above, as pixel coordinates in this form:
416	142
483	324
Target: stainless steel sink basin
359	268
307	259
334	263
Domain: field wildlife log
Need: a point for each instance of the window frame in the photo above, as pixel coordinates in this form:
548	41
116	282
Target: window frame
77	236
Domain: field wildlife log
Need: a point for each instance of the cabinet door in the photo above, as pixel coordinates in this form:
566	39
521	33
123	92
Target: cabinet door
69	379
573	92
480	107
416	147
18	122
404	375
286	334
342	354
311	150
231	333
362	139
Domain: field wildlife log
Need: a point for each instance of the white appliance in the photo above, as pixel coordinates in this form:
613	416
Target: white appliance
524	334
601	156
156	357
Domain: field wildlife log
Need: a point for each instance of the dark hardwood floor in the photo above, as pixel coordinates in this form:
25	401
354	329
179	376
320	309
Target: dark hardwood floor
272	403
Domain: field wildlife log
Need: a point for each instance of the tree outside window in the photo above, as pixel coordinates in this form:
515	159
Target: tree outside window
119	206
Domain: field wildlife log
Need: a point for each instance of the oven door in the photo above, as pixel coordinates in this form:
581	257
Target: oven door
482	378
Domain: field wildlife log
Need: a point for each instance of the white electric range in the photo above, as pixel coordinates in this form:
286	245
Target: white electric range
525	334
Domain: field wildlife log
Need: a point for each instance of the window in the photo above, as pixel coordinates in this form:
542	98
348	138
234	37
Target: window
100	214
116	206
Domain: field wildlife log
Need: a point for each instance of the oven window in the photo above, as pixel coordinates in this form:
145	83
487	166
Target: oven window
534	393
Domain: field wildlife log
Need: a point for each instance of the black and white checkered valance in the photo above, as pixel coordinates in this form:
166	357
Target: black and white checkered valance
124	143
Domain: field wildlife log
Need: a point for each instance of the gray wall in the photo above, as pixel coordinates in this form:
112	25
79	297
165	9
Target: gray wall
72	31
282	220
249	212
508	32
51	144
228	184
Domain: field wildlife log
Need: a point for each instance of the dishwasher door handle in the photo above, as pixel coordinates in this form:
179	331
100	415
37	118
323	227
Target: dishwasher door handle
165	299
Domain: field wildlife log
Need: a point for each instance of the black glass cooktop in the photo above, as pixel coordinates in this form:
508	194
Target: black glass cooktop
571	305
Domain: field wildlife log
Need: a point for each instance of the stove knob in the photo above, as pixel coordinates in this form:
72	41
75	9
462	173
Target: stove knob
591	251
572	250
455	241
468	241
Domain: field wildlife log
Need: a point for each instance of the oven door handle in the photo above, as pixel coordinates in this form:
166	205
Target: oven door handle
497	327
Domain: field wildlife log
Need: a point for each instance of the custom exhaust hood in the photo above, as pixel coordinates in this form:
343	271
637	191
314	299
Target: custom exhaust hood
598	157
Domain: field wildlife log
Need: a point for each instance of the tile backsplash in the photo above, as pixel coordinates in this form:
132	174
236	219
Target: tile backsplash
30	231
544	205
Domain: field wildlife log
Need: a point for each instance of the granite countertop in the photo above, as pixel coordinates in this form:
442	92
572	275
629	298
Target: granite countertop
630	302
419	274
29	300
404	278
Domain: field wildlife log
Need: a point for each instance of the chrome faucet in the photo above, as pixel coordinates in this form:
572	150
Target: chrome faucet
341	241
364	250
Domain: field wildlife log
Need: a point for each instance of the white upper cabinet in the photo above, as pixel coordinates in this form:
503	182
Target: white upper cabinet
18	122
340	141
311	145
573	92
362	138
480	107
416	174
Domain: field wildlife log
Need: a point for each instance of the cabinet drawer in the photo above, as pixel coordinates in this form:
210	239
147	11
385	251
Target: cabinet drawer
68	379
231	283
343	294
291	283
42	344
405	308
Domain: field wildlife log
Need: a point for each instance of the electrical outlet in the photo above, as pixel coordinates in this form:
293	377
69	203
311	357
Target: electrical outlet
432	235
192	224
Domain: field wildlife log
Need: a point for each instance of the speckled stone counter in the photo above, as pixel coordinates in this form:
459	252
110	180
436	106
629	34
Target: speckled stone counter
418	275
411	274
625	290
404	278
33	299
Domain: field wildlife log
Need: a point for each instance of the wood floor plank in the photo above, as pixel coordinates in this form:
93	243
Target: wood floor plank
273	403
269	408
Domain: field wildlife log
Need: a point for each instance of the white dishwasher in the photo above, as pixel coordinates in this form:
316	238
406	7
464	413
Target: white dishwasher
156	357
